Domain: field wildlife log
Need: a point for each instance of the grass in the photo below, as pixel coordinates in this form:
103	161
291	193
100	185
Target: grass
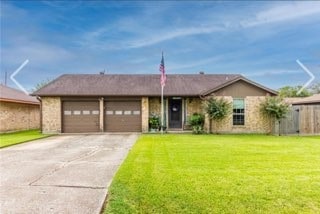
9	139
218	174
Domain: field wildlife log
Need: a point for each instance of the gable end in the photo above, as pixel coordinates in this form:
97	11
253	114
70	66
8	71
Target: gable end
241	87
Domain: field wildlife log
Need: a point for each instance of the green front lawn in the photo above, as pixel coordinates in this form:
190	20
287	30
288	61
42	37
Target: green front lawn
9	139
218	174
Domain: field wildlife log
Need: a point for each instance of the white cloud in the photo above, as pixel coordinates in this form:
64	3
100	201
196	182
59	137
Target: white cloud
36	52
272	73
196	63
172	34
148	35
98	37
282	13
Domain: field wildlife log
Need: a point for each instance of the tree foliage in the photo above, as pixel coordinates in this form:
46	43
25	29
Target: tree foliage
196	121
41	84
218	109
315	88
275	107
292	91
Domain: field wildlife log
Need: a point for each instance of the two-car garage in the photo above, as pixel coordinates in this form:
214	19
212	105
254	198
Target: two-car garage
84	116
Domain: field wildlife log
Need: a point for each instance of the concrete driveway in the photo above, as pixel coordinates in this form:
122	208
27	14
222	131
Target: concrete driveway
61	174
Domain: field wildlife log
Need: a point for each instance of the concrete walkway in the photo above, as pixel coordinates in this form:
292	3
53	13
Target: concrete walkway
61	174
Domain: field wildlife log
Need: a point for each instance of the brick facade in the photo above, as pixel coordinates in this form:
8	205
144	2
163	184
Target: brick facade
51	115
145	114
255	121
154	105
19	116
193	105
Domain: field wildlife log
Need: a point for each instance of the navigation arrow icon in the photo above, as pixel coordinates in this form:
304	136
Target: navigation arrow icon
312	77
15	73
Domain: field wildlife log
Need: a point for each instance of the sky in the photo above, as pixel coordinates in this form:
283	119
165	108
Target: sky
260	40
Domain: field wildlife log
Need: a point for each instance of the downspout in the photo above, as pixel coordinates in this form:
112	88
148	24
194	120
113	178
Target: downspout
38	98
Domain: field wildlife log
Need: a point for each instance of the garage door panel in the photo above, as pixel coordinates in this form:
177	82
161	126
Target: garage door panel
123	116
80	116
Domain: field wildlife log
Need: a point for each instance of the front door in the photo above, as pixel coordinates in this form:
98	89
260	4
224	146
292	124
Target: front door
175	113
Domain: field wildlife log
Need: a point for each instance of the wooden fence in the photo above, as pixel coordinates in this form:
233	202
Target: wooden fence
301	119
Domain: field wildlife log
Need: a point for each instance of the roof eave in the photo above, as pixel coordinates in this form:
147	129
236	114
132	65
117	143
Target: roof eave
115	95
306	103
19	101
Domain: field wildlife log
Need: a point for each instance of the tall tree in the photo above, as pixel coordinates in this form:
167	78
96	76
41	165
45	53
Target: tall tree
292	91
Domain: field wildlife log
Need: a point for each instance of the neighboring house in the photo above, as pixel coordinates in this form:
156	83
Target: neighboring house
312	100
303	117
123	103
18	111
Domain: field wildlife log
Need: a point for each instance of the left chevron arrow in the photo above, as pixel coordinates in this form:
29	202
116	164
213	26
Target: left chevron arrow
16	72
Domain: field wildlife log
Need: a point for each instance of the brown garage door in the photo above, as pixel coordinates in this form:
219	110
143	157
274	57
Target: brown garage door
80	116
122	116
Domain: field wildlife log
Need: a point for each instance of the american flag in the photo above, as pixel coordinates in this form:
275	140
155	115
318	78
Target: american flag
163	74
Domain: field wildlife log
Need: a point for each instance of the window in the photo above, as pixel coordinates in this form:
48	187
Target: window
95	112
76	112
238	111
67	112
118	112
85	112
136	112
109	112
127	112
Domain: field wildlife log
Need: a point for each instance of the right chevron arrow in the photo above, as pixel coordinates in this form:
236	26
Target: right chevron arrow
312	77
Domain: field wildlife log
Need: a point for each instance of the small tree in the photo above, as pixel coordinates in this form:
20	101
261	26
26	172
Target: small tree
196	121
217	109
275	108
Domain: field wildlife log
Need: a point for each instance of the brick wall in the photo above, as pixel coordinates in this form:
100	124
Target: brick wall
255	121
193	105
18	116
145	114
154	105
51	115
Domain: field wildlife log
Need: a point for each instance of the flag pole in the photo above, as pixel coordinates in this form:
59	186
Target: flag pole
162	110
162	82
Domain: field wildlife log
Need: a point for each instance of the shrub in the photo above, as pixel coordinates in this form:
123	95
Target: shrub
218	109
196	121
154	121
275	108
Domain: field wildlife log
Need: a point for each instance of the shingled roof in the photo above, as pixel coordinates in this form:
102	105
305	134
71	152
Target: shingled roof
135	85
8	94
